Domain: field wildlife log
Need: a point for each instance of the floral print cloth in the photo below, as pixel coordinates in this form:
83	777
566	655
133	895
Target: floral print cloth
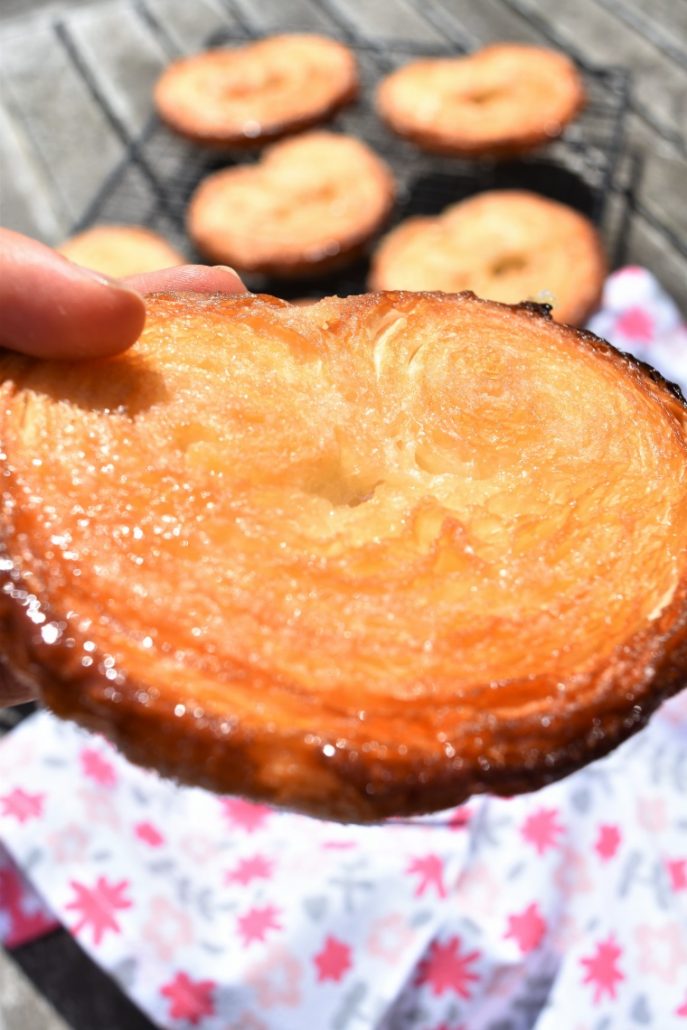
565	908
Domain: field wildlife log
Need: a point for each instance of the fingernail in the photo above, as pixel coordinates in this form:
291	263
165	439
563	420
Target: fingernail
227	268
102	279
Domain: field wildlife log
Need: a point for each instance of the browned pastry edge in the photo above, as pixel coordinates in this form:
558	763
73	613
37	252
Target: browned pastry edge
509	146
277	132
362	781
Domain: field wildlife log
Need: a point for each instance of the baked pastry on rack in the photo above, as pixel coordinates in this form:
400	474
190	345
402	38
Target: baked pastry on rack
258	92
502	100
121	250
505	245
361	558
310	205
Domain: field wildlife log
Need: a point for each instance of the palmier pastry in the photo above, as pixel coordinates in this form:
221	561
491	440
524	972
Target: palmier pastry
258	92
502	100
121	250
310	205
362	558
505	245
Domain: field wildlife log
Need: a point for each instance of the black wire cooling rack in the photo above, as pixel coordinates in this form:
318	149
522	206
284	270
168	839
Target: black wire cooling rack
155	180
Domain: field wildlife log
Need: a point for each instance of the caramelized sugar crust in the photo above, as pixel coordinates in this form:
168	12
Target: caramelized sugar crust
309	205
121	250
501	100
505	245
360	558
251	94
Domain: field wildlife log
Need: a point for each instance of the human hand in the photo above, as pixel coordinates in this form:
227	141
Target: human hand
50	307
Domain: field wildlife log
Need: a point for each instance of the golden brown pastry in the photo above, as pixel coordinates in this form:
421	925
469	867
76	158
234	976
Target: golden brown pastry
362	558
505	245
121	250
502	100
257	92
309	206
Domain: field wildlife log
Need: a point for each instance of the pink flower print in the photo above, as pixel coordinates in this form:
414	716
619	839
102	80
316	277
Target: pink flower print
677	873
248	1021
429	870
572	873
460	817
149	834
256	867
70	844
276	979
602	971
479	889
541	829
167	928
527	928
607	841
189	999
635	324
21	805
98	807
681	1010
97	768
651	813
389	937
244	815
333	961
662	951
97	907
446	967
258	922
200	848
567	934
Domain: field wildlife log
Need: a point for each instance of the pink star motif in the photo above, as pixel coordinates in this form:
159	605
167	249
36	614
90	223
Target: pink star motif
541	829
257	922
602	969
527	928
636	323
244	814
97	906
189	999
97	768
607	841
22	806
444	968
334	961
460	817
149	834
429	869
677	871
255	868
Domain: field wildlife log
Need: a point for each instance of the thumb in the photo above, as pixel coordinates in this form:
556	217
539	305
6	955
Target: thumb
52	308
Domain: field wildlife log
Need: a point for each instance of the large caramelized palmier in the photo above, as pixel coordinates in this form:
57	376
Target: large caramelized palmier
361	558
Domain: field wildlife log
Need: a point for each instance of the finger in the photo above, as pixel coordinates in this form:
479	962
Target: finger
196	278
52	308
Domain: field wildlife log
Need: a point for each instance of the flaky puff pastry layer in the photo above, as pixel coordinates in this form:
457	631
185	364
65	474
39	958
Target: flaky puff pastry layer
361	558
